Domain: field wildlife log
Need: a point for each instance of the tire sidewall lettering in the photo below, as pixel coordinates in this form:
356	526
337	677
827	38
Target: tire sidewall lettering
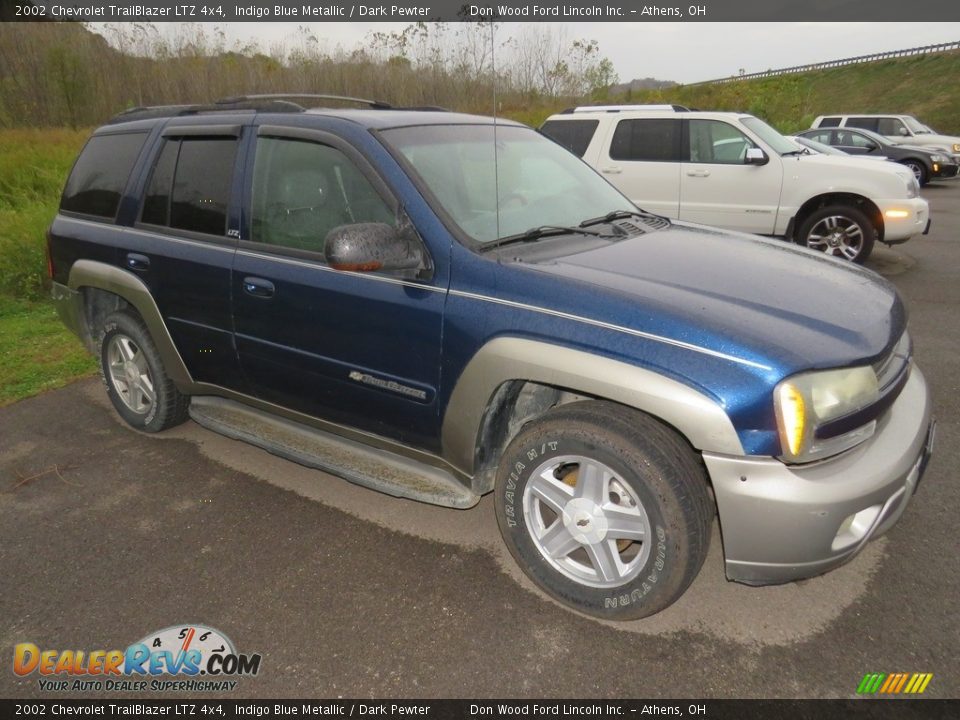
511	490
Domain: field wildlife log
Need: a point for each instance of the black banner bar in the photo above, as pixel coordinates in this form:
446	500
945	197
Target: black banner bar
859	709
219	11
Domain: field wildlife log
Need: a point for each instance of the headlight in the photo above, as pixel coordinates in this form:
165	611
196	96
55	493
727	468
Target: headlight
937	158
913	186
805	402
956	147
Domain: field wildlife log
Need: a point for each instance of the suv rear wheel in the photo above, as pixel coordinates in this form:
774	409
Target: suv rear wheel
840	230
137	384
605	508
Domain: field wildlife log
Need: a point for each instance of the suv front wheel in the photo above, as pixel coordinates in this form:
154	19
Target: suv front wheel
840	230
137	384
605	508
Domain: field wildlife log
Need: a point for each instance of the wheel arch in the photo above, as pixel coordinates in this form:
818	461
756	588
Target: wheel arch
823	200
105	288
511	381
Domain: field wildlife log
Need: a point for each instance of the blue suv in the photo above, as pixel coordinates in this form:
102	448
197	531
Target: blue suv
439	306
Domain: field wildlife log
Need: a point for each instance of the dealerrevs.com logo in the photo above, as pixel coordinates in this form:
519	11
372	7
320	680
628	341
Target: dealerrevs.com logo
203	657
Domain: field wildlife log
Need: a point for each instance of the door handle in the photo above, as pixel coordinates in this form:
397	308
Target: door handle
698	173
258	287
136	261
611	171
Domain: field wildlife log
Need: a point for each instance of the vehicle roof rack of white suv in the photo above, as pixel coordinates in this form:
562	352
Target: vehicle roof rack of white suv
623	108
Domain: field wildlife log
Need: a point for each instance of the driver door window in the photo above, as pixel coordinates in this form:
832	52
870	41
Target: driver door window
303	190
716	142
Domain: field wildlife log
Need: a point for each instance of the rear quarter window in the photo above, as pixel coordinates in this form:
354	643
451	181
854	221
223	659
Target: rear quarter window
574	135
100	174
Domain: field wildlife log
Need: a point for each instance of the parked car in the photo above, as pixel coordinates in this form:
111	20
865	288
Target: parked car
734	171
440	306
905	128
818	147
924	163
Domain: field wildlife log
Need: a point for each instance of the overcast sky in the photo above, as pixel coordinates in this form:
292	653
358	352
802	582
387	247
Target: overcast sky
684	52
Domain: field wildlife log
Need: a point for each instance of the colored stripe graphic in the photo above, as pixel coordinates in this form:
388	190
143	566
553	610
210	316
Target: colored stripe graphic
894	683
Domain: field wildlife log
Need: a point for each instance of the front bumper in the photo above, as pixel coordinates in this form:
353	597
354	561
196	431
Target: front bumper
786	522
900	229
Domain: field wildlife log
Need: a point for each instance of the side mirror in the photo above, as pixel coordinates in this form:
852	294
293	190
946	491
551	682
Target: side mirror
903	131
755	156
369	247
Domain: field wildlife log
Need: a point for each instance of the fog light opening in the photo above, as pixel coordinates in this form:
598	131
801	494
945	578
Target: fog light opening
855	527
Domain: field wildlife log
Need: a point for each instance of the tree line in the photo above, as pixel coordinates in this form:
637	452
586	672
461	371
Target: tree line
64	74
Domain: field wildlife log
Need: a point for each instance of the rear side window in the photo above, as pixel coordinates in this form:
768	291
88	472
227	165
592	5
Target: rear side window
190	185
867	123
574	135
829	122
824	137
100	174
652	140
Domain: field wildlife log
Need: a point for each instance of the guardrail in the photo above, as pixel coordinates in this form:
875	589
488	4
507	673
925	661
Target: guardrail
925	49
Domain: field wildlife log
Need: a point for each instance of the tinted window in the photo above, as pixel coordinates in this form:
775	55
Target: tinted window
302	190
156	206
654	139
101	173
713	141
830	122
863	122
201	185
574	135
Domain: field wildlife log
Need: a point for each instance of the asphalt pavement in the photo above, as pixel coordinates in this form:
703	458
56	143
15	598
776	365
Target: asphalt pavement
107	535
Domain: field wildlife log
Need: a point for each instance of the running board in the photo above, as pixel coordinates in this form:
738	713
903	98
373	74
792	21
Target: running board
371	467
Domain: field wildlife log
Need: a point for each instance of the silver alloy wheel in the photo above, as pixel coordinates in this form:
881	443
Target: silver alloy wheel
130	374
586	522
836	235
917	170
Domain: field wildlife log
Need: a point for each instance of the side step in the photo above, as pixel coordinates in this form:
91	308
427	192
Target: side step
371	467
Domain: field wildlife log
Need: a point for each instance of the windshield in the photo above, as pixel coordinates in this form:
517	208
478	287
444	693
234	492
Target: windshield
536	182
777	142
915	126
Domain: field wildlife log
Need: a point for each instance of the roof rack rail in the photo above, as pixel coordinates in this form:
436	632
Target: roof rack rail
376	104
624	108
162	111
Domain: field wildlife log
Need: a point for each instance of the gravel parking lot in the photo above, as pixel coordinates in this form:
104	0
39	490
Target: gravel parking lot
353	594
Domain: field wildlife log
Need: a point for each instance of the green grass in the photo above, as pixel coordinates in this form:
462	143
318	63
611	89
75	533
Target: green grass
37	352
921	85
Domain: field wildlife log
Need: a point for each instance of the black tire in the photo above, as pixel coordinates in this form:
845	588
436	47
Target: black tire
132	370
649	465
843	231
918	169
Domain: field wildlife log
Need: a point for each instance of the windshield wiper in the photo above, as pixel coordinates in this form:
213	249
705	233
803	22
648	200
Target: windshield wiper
543	231
620	215
805	151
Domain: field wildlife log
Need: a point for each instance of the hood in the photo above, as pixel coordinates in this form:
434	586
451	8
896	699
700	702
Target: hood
944	141
784	306
858	161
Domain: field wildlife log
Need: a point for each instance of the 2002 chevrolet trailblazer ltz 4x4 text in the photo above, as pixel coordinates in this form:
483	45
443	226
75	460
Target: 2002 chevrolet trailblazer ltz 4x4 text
440	306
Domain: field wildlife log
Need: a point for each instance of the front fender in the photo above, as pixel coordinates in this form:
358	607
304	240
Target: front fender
699	418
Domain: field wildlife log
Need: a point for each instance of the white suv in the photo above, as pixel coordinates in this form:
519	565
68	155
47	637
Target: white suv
734	171
902	128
